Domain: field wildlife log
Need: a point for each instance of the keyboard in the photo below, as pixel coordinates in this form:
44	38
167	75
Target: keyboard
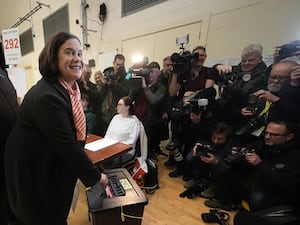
115	186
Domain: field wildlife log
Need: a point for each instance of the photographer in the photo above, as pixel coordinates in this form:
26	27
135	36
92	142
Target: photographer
271	104
196	79
114	87
193	78
206	158
192	116
149	100
238	82
272	176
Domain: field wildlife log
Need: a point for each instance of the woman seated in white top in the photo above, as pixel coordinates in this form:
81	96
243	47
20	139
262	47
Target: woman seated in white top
125	128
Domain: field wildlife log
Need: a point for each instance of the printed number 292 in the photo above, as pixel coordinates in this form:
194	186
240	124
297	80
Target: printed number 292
11	43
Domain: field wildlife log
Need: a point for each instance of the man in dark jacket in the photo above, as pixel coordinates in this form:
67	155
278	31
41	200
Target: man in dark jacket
272	102
114	87
238	82
272	177
149	101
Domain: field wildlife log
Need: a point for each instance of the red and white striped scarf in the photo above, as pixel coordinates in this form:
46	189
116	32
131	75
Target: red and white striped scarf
78	114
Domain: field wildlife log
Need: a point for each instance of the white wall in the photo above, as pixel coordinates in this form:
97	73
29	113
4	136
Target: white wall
226	25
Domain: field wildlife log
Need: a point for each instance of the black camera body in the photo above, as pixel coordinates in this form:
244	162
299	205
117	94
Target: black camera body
238	156
109	76
252	103
112	78
202	150
256	106
234	77
214	216
196	106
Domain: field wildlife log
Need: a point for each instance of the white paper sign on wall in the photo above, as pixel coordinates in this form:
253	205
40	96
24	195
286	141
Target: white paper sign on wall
11	46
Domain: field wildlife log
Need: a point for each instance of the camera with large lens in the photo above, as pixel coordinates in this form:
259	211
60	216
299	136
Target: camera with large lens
256	106
182	62
238	156
195	105
225	79
203	149
236	78
215	216
174	149
252	103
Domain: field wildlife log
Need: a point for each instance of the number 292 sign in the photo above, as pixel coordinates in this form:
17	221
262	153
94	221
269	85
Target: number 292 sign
11	46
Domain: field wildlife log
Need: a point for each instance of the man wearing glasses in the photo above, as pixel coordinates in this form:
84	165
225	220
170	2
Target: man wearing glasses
276	102
281	171
272	177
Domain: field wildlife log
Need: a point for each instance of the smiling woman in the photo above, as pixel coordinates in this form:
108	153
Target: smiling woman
50	133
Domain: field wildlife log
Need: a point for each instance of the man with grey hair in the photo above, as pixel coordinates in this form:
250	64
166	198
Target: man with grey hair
275	103
238	82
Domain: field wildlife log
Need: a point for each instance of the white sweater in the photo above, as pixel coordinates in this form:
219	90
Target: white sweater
124	129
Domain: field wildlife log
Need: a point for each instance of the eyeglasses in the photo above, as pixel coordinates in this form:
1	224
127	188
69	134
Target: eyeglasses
274	135
279	78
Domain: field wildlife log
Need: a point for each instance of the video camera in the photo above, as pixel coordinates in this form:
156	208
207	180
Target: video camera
202	150
215	216
182	60
238	156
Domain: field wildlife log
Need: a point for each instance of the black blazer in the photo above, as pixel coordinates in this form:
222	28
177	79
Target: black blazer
8	107
43	158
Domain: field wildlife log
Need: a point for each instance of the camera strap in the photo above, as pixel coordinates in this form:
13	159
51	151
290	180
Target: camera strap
266	109
264	113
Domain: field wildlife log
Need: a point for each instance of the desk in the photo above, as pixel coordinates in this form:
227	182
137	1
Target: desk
107	153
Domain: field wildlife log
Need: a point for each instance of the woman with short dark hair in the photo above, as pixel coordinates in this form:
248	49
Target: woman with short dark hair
44	153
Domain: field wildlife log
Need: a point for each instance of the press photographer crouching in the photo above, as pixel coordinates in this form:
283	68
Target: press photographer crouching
271	176
205	159
264	105
193	116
